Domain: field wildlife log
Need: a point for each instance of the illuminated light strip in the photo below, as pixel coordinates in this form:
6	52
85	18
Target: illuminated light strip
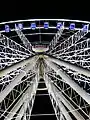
41	33
35	34
27	28
32	20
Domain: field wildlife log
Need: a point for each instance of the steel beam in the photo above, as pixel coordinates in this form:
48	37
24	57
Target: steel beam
26	97
18	104
70	82
22	110
23	38
24	118
67	103
59	103
55	40
12	45
71	66
16	80
14	67
59	97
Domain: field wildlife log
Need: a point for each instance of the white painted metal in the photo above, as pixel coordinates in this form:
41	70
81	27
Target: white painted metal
73	51
69	81
58	102
17	79
14	67
79	70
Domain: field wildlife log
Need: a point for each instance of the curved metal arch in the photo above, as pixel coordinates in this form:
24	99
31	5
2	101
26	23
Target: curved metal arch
28	20
50	27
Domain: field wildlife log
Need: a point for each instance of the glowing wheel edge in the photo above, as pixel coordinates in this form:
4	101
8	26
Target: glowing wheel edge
65	21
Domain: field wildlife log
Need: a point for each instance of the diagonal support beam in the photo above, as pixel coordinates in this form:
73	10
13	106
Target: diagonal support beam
16	80
55	39
12	45
24	118
23	38
59	96
14	67
71	66
23	109
58	102
70	82
71	41
17	105
26	97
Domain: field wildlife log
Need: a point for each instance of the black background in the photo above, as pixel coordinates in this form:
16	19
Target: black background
15	10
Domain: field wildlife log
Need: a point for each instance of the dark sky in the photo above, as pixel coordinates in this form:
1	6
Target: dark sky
45	9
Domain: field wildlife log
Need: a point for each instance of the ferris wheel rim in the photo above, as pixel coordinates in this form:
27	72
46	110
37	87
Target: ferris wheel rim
31	20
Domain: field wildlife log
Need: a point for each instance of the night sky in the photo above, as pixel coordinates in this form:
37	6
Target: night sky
16	10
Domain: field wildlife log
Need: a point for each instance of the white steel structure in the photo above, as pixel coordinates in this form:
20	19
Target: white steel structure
60	55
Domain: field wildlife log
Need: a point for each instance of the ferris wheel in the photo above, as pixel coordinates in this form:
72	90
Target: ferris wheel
45	69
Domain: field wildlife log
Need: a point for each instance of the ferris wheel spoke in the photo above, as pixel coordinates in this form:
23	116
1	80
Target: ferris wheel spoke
25	41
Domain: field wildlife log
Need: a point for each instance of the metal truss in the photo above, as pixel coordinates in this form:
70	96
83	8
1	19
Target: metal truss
65	68
59	108
68	43
78	54
23	38
12	87
55	40
11	52
67	95
74	49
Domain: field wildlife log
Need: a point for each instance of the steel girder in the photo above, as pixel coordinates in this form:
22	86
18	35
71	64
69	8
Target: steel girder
23	38
26	105
17	106
11	52
63	100
52	94
69	81
26	97
17	79
71	66
11	44
69	42
14	67
55	40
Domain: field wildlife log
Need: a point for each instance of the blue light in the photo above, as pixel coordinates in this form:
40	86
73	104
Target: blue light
7	28
46	25
85	28
33	26
72	26
59	25
19	26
